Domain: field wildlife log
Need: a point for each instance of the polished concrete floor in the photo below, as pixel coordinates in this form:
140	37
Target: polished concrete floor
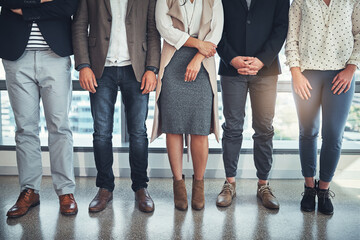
244	219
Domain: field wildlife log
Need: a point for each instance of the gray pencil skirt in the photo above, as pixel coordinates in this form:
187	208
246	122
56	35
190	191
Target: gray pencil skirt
185	107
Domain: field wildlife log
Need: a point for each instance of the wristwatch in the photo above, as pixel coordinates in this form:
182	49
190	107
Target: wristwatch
153	69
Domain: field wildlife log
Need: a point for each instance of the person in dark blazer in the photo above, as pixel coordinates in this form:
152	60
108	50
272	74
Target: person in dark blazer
35	44
254	32
121	49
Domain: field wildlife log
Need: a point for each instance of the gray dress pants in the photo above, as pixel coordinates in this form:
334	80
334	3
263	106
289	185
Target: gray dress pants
42	75
262	91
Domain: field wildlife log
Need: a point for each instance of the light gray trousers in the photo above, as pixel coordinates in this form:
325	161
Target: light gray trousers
42	75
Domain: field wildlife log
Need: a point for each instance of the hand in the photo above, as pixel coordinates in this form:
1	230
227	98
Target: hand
148	83
17	11
342	81
208	49
301	85
257	64
193	68
87	79
243	65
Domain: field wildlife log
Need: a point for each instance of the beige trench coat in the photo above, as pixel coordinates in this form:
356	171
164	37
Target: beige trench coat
209	63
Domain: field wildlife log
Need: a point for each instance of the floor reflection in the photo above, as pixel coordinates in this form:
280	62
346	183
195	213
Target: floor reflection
246	218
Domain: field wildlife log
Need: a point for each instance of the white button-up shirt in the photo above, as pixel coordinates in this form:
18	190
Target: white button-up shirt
191	13
118	53
322	37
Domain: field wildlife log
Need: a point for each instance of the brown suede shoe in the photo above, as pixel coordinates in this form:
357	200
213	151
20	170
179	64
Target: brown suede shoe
144	201
197	198
101	200
226	195
68	204
266	196
27	199
180	196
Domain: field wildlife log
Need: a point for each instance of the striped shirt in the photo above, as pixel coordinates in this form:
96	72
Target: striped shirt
36	39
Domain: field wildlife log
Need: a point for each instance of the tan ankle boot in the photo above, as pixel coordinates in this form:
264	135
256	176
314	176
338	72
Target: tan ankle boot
197	198
180	196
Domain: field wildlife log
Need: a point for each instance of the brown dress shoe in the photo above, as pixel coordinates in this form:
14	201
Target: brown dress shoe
101	200
266	196
27	199
180	196
197	198
68	204
226	195
144	201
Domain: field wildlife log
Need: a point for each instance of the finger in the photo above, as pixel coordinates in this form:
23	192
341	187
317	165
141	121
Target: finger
195	75
253	68
303	93
143	81
336	77
347	88
338	88
252	72
91	86
308	85
94	81
300	94
307	92
342	89
336	83
186	75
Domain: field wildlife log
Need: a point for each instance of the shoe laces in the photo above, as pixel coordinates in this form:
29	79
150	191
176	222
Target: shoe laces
227	187
326	194
266	189
24	196
309	192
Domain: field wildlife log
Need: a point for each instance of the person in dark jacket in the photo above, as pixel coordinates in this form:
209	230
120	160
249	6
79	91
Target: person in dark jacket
35	44
254	32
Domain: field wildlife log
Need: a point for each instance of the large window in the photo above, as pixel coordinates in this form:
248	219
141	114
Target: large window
285	122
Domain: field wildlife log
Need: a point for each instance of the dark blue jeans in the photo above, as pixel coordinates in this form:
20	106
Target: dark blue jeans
335	109
136	109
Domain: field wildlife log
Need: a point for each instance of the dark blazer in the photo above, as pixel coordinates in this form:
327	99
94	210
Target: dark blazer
53	19
258	32
142	36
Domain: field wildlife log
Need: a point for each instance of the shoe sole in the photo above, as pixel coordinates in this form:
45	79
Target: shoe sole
69	213
307	209
326	213
31	206
219	205
99	210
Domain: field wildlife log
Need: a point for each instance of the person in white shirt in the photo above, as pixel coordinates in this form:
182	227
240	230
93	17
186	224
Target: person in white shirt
187	88
323	52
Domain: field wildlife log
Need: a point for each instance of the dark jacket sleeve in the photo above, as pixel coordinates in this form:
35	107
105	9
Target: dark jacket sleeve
58	9
153	38
14	4
277	38
225	51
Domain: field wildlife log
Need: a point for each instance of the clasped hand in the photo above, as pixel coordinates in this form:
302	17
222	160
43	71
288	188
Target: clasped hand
247	65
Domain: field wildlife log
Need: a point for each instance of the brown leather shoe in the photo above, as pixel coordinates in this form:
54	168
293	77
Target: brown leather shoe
27	199
180	196
144	201
198	197
266	196
101	200
68	204
226	195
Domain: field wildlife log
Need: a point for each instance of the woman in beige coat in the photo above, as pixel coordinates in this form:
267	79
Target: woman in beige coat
187	83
